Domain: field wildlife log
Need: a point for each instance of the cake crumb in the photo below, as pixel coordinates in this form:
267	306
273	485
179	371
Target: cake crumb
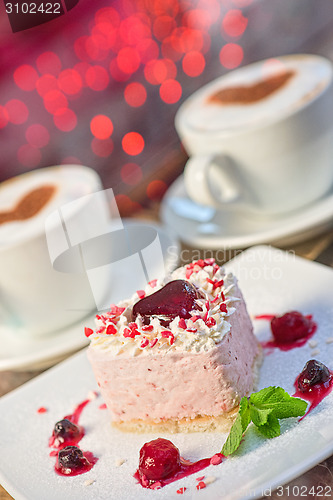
120	462
312	343
89	482
315	352
210	480
329	340
92	395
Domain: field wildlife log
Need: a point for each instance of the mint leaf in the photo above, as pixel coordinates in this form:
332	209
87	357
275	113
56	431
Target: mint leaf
279	402
271	428
238	428
259	416
264	408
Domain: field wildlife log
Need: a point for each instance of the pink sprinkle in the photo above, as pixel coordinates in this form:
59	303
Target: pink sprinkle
128	333
223	308
88	332
116	310
153	342
111	330
42	409
182	323
147	328
192	330
195	318
181	491
210	281
152	283
214	300
101	329
102	406
145	342
188	273
132	326
141	294
172	339
210	322
222	296
200	263
201	485
218	284
200	478
166	334
216	459
101	318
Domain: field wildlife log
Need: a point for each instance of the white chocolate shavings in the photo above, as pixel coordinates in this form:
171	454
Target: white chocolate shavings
116	332
210	480
312	343
329	340
315	352
89	482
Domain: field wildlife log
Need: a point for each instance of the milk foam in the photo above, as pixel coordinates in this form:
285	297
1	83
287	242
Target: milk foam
70	182
311	76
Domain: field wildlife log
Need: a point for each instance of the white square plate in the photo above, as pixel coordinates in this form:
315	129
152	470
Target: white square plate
273	282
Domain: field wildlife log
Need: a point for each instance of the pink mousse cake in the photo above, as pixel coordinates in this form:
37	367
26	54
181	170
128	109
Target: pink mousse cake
179	355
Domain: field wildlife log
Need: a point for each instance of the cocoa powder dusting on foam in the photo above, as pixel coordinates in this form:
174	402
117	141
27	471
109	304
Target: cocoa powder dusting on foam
29	205
251	93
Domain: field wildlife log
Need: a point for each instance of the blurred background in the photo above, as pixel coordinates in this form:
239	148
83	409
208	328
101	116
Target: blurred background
100	85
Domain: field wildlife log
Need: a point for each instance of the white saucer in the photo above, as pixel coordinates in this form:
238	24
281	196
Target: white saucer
204	227
23	352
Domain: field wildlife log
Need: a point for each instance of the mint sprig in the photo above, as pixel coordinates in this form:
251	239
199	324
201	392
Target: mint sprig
264	409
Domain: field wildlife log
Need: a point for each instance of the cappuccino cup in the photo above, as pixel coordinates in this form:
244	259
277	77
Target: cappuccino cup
36	298
260	138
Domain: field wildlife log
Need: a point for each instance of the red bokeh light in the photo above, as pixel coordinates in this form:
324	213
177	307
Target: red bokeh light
96	47
17	111
131	174
49	62
29	156
193	63
46	83
101	127
159	70
163	27
133	143
135	94
102	148
25	77
198	19
70	82
108	15
65	119
4	117
156	190
55	100
170	91
234	23
97	78
132	30
128	60
107	31
116	73
126	206
37	135
231	55
147	49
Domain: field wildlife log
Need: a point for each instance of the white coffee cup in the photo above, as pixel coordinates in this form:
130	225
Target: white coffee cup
258	152
35	297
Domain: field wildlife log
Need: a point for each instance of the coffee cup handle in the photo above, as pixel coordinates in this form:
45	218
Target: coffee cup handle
215	180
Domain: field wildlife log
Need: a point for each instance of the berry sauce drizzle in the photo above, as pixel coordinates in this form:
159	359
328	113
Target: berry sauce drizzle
315	393
289	331
67	433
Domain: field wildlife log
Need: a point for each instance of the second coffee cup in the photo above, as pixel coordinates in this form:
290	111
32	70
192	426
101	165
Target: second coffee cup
260	138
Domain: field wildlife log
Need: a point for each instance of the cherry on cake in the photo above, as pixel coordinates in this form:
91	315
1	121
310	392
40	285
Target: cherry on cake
179	355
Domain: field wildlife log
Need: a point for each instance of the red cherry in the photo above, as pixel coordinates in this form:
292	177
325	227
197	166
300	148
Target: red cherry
290	327
159	459
176	298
